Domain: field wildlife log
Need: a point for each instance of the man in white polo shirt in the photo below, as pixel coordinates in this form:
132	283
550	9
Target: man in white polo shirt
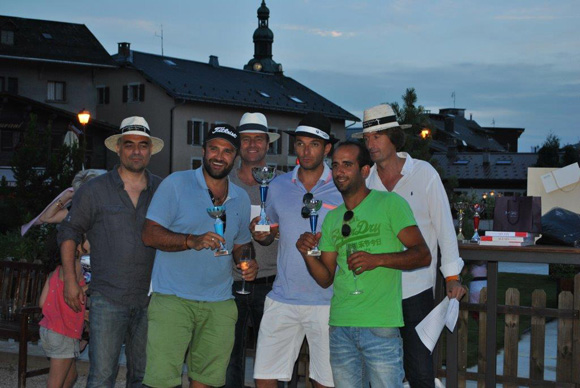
297	305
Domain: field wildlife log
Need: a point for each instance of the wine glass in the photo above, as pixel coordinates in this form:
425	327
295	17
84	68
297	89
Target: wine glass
244	265
216	212
350	249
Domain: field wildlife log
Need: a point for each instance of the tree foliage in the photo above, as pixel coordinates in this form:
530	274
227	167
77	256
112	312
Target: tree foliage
548	154
415	116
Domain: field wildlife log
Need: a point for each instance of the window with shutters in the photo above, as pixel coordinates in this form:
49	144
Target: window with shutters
56	91
195	131
275	148
195	163
290	140
134	92
102	95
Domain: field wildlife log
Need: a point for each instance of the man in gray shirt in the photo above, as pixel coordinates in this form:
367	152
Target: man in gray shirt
110	210
255	139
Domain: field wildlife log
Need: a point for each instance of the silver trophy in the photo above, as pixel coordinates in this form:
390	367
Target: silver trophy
477	208
460	207
216	212
263	175
313	205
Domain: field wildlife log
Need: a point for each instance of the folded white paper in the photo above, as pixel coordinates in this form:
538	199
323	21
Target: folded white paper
561	177
430	328
452	314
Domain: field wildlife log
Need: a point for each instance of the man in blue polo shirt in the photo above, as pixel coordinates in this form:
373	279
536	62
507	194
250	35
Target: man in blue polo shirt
192	304
297	305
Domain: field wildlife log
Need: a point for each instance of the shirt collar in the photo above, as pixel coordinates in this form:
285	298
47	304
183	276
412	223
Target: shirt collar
200	179
119	182
409	161
325	177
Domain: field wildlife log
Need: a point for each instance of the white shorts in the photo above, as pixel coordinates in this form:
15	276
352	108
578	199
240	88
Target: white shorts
281	334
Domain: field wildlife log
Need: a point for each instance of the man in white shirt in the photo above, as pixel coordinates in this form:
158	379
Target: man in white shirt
419	183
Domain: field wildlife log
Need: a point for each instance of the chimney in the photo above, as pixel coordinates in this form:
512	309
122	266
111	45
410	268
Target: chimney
449	124
471	117
486	158
213	61
451	149
124	49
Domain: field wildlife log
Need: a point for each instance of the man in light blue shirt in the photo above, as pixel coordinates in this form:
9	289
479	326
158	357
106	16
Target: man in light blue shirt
297	305
192	304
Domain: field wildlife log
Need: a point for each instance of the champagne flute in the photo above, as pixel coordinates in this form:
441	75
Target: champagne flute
350	249
244	265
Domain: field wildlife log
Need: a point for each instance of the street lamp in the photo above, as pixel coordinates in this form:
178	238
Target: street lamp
425	132
84	117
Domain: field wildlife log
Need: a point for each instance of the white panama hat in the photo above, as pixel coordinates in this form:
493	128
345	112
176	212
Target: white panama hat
134	125
379	118
256	123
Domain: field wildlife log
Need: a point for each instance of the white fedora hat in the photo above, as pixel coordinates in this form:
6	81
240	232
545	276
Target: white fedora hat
256	123
379	118
134	125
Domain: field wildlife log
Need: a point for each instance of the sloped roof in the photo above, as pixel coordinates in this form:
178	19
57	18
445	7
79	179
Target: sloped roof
502	166
48	41
203	82
468	131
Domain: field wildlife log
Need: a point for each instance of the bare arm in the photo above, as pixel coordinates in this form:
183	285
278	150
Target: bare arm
74	296
417	254
44	292
56	212
323	269
159	237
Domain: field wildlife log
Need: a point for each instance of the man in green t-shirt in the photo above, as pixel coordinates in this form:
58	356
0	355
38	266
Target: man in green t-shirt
365	311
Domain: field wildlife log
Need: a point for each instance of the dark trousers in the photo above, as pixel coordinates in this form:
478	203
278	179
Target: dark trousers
417	359
250	309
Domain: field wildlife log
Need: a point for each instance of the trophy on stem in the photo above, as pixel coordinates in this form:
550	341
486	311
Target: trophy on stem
313	206
477	208
263	175
460	207
216	212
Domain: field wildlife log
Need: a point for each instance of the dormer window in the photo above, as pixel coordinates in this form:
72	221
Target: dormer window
7	37
47	36
461	162
296	99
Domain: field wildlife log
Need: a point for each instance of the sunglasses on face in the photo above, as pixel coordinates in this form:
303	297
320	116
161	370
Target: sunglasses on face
307	198
346	230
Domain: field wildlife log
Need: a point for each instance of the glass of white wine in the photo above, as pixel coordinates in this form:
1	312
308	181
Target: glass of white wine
350	249
244	265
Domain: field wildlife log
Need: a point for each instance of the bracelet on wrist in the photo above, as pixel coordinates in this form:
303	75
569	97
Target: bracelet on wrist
451	278
186	238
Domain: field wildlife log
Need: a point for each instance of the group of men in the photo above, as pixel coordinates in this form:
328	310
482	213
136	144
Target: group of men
158	288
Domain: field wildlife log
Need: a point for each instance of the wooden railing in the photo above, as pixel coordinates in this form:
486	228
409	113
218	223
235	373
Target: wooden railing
568	314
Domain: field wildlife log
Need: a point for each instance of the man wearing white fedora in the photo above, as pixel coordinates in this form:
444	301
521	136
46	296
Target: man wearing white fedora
110	210
254	141
419	183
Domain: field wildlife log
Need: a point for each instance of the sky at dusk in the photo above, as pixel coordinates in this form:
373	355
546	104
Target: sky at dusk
512	63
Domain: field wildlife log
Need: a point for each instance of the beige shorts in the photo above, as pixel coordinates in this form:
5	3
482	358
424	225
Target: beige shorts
281	334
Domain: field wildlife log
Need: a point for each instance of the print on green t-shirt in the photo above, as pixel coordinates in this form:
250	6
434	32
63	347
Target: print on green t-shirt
377	221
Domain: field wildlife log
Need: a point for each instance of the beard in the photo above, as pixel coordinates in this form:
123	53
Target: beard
216	174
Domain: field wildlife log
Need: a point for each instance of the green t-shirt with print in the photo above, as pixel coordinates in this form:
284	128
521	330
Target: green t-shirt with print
377	221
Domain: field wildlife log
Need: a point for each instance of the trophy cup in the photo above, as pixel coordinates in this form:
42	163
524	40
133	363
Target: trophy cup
263	175
460	207
477	208
216	212
313	205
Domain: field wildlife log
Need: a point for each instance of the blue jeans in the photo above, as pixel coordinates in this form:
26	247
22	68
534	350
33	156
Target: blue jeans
362	353
111	325
250	308
418	359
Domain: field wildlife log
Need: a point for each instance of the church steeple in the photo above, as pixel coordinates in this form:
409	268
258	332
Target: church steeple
263	39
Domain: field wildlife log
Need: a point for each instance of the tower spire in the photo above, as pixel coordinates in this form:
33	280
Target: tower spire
263	39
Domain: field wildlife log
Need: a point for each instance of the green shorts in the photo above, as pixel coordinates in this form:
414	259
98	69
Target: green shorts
175	324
